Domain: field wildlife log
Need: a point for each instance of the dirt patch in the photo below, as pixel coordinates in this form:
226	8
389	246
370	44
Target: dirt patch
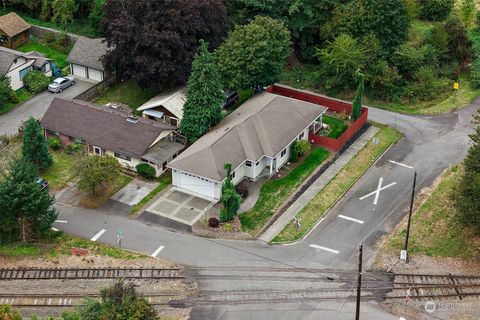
230	230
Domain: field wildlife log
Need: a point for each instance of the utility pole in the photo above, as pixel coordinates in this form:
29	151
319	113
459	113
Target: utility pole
407	236
359	283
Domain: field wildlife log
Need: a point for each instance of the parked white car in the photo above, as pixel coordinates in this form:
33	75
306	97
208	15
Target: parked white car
59	84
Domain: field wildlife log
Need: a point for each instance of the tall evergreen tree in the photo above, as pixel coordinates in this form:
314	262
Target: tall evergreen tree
357	103
230	198
469	189
204	96
26	212
35	148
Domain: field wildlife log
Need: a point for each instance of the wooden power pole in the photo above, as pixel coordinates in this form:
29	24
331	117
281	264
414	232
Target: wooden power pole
359	282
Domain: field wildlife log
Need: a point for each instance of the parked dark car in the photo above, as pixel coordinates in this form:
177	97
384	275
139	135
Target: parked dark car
59	84
42	183
230	98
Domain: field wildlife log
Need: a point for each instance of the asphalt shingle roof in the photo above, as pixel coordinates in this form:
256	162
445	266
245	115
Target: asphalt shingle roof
88	52
12	24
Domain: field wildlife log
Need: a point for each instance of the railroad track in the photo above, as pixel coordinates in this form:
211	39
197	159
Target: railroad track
89	273
427	286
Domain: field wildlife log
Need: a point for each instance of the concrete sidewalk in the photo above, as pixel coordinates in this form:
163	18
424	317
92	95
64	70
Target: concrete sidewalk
318	185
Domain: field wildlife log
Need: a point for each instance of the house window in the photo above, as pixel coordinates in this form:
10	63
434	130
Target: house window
257	163
300	137
284	152
97	150
121	156
248	163
233	174
24	72
174	122
46	67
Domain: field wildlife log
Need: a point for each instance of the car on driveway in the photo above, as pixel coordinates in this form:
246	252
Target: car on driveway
42	183
60	84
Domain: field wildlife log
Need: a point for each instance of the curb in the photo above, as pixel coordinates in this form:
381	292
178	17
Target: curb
310	230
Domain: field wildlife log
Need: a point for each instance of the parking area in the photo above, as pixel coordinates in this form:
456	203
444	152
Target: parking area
37	106
179	207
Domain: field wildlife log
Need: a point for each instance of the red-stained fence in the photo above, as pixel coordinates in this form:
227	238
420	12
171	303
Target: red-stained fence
333	104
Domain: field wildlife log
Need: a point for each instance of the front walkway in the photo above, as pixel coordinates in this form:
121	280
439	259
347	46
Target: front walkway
318	185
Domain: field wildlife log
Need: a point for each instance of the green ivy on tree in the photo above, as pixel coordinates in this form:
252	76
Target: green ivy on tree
357	103
230	198
35	148
203	108
26	212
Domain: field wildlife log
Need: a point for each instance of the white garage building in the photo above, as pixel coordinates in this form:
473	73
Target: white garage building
85	59
255	139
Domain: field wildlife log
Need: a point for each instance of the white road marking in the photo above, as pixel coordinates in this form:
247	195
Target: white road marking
49	301
35	302
98	235
324	248
54	229
350	219
61	221
377	192
401	164
156	252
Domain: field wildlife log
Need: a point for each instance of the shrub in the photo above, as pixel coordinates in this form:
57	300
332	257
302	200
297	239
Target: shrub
408	59
54	143
475	73
294	151
213	222
6	92
413	8
73	148
384	82
242	190
436	10
36	81
427	85
477	21
146	170
459	44
228	227
304	146
439	40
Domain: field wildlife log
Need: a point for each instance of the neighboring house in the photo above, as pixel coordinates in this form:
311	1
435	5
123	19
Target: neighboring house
15	65
14	31
255	139
104	130
166	107
85	58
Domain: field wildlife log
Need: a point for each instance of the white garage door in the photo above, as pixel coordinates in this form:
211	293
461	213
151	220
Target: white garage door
79	71
195	185
95	74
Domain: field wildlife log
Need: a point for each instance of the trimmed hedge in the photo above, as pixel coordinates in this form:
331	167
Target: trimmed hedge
146	170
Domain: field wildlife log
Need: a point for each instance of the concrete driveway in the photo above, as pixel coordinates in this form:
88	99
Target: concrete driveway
37	106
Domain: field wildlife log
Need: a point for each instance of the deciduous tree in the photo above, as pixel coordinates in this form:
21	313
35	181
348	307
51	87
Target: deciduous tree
204	96
26	212
35	149
63	12
254	54
97	171
155	41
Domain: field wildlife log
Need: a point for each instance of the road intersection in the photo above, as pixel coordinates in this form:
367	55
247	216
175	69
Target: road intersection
366	213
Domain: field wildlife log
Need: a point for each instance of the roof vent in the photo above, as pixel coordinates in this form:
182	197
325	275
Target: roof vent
132	119
226	129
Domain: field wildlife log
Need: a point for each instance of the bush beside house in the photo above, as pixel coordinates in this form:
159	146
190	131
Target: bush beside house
145	170
36	81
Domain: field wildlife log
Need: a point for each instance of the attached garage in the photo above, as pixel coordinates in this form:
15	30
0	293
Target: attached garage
195	185
86	58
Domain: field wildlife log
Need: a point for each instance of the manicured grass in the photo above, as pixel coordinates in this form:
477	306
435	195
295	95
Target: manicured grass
128	93
336	126
306	77
59	58
275	192
343	181
95	201
78	26
62	244
62	170
22	95
435	229
165	181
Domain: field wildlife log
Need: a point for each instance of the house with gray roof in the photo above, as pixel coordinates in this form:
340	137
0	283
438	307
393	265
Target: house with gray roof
255	139
85	58
16	65
106	130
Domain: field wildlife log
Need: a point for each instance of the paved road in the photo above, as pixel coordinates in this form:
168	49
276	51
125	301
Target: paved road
430	145
36	107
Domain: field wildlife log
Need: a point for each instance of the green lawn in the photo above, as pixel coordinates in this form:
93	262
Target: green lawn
95	201
62	245
336	126
128	93
58	57
436	230
165	181
22	95
343	181
62	170
275	192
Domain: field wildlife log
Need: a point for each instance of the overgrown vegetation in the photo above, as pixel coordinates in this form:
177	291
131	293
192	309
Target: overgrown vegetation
52	47
335	128
343	181
275	192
